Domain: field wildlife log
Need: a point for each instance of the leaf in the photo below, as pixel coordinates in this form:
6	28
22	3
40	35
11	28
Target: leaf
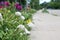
1	34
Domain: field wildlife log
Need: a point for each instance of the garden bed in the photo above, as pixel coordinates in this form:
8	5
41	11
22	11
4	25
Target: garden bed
15	23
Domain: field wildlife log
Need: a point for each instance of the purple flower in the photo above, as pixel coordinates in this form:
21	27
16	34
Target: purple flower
2	3
6	3
18	7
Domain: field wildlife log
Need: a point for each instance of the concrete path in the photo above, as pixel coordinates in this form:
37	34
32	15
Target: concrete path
46	27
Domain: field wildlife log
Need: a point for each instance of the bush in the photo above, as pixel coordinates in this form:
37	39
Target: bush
51	5
55	5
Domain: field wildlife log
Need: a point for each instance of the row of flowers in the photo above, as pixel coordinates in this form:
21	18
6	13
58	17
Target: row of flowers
7	4
14	24
29	22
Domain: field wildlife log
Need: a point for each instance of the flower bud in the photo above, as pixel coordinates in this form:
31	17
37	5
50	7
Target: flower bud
17	13
22	17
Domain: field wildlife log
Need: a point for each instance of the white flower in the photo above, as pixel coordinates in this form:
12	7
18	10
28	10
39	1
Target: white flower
26	31
30	24
17	13
23	28
1	18
22	17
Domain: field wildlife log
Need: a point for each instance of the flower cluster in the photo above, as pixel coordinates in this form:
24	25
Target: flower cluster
23	28
20	15
29	22
14	24
6	4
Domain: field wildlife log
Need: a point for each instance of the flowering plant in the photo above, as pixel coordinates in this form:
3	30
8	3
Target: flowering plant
18	7
14	25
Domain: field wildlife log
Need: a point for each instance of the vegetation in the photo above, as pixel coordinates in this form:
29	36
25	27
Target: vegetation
35	4
12	17
54	4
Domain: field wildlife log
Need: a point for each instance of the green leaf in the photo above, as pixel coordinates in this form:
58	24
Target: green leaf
1	34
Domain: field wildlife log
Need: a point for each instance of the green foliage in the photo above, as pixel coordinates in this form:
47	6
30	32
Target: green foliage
55	0
55	5
28	13
22	2
35	4
8	26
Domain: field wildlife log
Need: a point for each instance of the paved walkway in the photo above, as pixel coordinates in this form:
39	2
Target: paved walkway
46	27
